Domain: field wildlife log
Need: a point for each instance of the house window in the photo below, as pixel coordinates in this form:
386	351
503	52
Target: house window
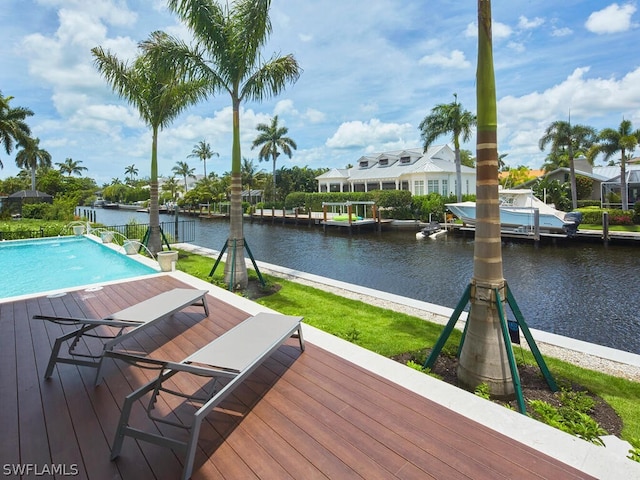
404	185
383	162
432	186
418	187
445	187
405	159
364	164
467	187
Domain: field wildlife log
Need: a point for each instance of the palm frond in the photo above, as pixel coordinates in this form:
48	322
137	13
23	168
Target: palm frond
271	78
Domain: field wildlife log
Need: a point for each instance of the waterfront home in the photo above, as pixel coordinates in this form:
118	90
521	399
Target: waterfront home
409	169
606	181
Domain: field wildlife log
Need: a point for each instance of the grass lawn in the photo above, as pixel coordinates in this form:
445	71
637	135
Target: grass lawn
390	333
612	228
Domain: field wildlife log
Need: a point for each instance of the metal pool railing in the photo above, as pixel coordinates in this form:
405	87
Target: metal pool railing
181	231
174	232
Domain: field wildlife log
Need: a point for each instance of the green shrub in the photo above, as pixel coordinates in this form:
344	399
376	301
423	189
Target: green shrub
570	417
295	199
482	391
634	453
636	213
35	210
593	216
415	366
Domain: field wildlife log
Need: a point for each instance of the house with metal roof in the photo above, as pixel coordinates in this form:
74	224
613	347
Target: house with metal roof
606	181
409	169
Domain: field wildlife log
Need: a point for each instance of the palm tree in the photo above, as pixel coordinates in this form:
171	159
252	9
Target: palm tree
202	150
272	138
13	128
624	140
452	119
251	176
130	172
184	170
570	138
482	357
228	55
171	186
70	167
159	94
31	157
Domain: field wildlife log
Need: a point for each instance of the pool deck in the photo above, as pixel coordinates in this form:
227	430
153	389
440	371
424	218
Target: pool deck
334	411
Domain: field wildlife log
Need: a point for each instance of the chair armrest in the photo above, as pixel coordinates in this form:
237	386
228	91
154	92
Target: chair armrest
86	321
137	360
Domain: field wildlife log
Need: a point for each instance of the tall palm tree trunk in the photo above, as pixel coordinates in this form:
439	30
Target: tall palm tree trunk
483	356
458	171
624	193
155	240
235	269
572	175
275	158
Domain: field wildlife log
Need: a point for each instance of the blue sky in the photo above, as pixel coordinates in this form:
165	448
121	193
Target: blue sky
371	74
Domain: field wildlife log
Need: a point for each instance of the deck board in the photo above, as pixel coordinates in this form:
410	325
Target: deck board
310	415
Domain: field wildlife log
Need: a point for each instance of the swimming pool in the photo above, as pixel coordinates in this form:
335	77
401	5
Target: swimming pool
32	266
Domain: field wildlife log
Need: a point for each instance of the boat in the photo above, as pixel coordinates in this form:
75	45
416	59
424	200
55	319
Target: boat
430	229
518	213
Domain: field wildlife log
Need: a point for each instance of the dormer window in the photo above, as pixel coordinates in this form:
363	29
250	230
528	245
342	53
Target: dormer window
405	159
383	162
363	164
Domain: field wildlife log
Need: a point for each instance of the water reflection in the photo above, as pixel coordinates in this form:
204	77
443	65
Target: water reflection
584	291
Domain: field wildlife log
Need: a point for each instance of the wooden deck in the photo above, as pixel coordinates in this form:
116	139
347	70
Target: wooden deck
299	416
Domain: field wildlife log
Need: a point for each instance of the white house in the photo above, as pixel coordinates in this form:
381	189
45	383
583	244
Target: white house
411	169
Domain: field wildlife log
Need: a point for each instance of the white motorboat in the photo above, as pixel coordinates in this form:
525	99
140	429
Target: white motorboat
518	209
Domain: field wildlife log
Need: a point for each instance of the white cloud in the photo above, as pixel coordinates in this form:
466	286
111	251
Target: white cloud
561	32
285	107
456	59
314	116
501	30
498	30
612	19
591	101
516	47
372	134
526	24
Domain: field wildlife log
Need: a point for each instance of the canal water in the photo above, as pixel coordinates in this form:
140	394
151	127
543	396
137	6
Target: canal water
584	291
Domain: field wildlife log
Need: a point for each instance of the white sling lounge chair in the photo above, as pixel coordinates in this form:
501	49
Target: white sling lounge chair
228	360
134	318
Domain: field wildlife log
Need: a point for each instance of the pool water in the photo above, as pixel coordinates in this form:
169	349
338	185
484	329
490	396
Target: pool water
32	266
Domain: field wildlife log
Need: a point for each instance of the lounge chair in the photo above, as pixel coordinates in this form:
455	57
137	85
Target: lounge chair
129	321
228	360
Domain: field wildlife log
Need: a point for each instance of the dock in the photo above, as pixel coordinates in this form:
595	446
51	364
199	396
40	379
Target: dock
586	236
324	219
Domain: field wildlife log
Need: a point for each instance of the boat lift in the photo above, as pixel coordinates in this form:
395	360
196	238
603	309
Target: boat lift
352	214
